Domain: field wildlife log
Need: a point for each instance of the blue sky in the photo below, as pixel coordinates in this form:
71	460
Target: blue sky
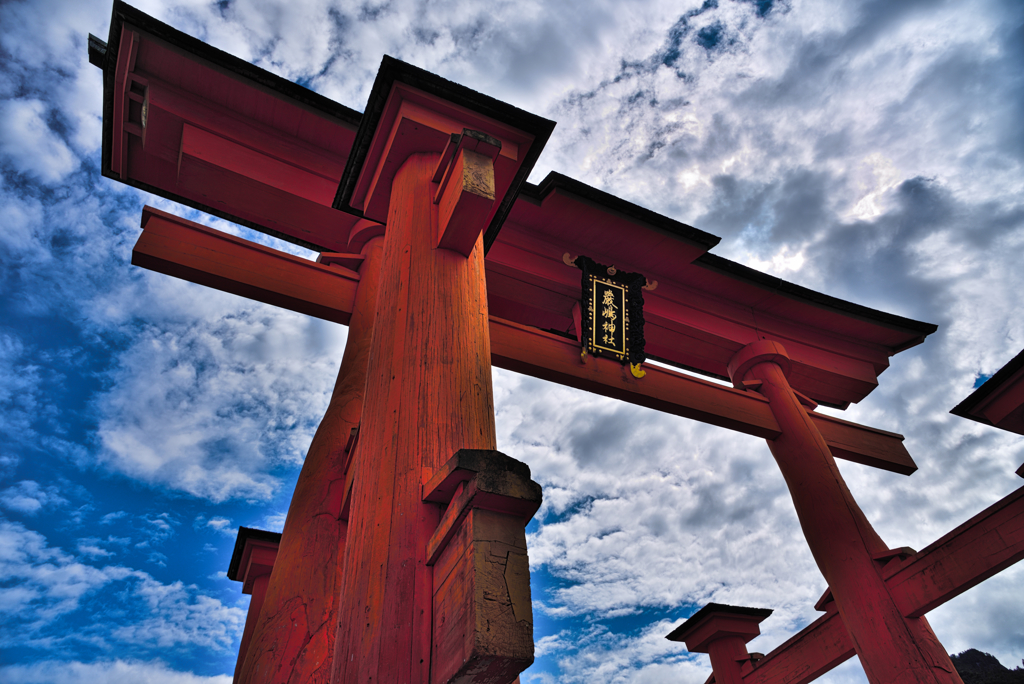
869	150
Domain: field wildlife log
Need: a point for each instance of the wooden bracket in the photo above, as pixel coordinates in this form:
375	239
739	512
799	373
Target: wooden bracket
465	189
479	478
482	614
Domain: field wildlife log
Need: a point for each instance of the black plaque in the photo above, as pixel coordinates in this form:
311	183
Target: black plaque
613	312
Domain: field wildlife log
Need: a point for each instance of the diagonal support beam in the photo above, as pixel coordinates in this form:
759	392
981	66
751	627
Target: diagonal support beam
187	250
986	544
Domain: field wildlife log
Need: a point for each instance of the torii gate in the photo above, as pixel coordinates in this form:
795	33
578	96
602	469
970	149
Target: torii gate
403	557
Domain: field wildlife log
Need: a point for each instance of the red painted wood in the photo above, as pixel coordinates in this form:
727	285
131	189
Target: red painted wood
126	56
428	394
727	657
415	121
325	158
255	164
821	646
698	317
556	359
693	326
187	250
986	544
891	648
259	591
466	200
294	638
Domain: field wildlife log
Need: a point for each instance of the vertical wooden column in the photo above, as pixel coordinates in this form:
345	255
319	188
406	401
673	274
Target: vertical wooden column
293	640
428	394
892	648
259	593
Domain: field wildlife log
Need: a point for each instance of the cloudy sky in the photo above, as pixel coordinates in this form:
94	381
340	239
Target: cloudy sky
872	151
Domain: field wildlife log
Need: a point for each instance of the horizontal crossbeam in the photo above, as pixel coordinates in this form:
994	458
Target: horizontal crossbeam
551	357
174	246
187	250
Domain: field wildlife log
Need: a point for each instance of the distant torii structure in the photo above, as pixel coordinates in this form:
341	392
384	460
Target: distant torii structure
403	557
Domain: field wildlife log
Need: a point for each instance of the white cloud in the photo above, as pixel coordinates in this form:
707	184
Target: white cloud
182	616
218	523
90	546
108	672
109	518
29	498
274	522
211	407
50	584
31	145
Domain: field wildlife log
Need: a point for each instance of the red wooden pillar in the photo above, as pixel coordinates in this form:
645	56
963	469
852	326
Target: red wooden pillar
722	632
293	639
252	564
428	394
892	648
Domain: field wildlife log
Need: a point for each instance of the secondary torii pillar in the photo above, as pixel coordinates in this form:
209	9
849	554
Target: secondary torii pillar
722	632
439	165
252	563
893	649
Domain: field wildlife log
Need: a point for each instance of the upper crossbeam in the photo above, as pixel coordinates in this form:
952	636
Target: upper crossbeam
187	250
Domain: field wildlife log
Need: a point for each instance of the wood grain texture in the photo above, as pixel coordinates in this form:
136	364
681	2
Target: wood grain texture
810	653
293	640
483	619
184	249
428	394
466	201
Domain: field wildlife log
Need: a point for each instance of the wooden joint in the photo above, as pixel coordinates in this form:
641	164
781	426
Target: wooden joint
350	261
470	140
465	190
805	400
755	385
827	602
479	479
762	351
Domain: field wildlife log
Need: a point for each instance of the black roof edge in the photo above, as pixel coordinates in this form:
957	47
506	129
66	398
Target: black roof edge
123	12
739	271
97	51
245	533
557	181
395	70
964	408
